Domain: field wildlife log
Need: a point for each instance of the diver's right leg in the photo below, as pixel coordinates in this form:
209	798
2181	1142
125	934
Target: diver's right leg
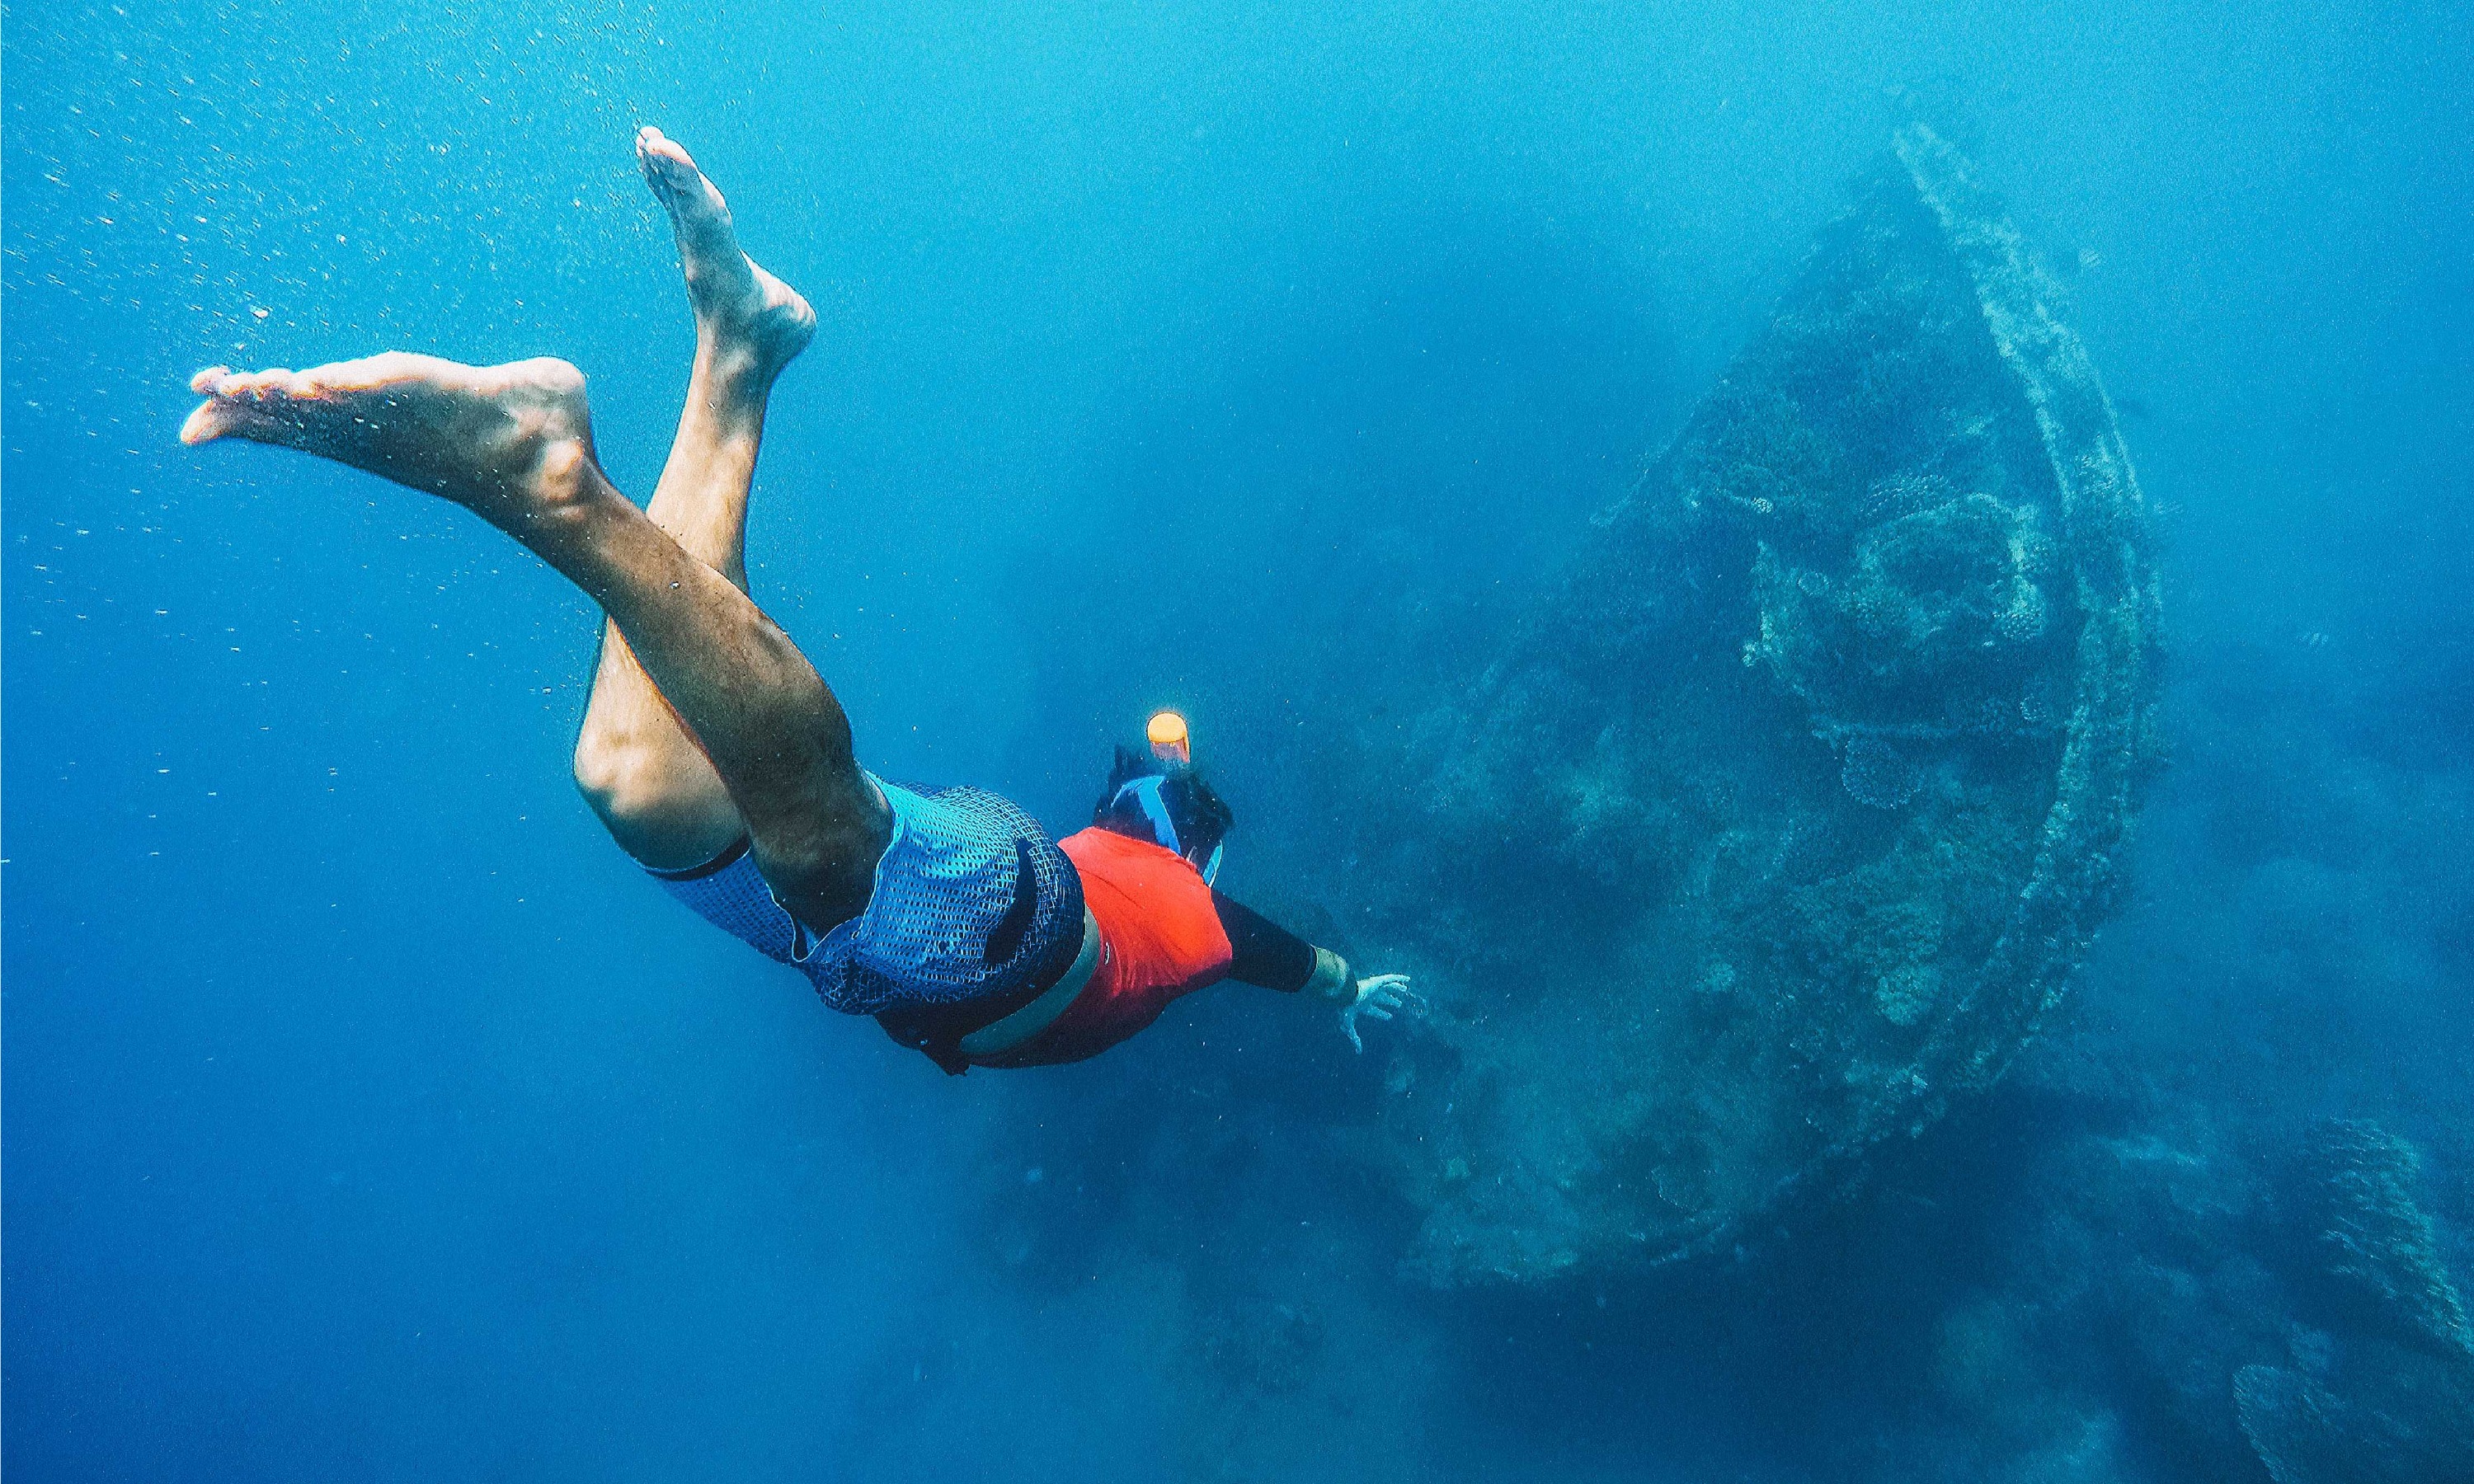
642	769
513	444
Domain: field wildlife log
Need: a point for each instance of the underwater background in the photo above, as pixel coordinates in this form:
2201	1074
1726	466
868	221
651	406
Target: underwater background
364	1113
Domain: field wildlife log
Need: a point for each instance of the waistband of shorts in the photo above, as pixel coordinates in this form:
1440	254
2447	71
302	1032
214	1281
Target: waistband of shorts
938	1031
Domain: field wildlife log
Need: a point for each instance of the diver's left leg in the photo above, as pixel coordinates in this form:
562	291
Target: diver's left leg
513	444
642	769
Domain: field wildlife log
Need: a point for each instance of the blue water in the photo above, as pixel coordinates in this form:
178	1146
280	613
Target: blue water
367	1116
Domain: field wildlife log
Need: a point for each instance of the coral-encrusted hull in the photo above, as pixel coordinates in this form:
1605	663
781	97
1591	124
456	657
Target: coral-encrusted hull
1790	809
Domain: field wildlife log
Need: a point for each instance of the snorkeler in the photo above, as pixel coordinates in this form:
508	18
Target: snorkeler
721	760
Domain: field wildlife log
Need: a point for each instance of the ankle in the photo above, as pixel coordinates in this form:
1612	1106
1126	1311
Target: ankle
563	478
738	368
557	503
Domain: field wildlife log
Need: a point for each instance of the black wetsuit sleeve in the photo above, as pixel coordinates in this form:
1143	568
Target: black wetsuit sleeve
1263	952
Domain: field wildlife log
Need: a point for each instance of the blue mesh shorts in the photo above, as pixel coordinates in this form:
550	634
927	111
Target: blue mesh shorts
971	900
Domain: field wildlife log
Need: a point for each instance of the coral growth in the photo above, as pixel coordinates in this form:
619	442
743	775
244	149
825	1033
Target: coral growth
2379	1240
2392	1396
1931	632
1876	771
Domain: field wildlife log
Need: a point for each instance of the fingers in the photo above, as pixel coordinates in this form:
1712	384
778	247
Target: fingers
1378	996
1392	992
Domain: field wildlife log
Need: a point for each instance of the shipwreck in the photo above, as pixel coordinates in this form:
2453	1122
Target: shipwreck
1788	811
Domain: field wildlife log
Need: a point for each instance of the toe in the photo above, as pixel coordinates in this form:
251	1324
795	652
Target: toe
203	380
259	386
665	163
220	416
205	422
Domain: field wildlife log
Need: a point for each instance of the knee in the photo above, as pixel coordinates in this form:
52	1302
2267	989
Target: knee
625	783
664	820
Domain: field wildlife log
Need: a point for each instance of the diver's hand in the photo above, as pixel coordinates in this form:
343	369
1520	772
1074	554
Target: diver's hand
1377	999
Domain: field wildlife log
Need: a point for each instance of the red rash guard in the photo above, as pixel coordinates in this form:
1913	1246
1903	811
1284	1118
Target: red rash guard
1160	937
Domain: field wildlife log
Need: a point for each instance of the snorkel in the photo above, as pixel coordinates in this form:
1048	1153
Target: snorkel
1171	742
1173	746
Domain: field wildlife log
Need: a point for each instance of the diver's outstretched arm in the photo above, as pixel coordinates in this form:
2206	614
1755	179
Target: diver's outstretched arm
1264	953
640	767
513	444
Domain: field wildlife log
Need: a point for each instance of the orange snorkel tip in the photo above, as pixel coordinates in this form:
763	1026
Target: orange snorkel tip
1170	743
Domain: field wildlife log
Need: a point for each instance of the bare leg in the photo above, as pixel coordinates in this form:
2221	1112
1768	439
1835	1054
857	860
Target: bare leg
642	769
513	444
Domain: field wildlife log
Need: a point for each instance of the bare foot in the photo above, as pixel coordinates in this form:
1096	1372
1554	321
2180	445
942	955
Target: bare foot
512	442
739	307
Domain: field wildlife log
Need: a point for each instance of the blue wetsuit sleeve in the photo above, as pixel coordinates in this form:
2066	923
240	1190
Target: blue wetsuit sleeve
1262	952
